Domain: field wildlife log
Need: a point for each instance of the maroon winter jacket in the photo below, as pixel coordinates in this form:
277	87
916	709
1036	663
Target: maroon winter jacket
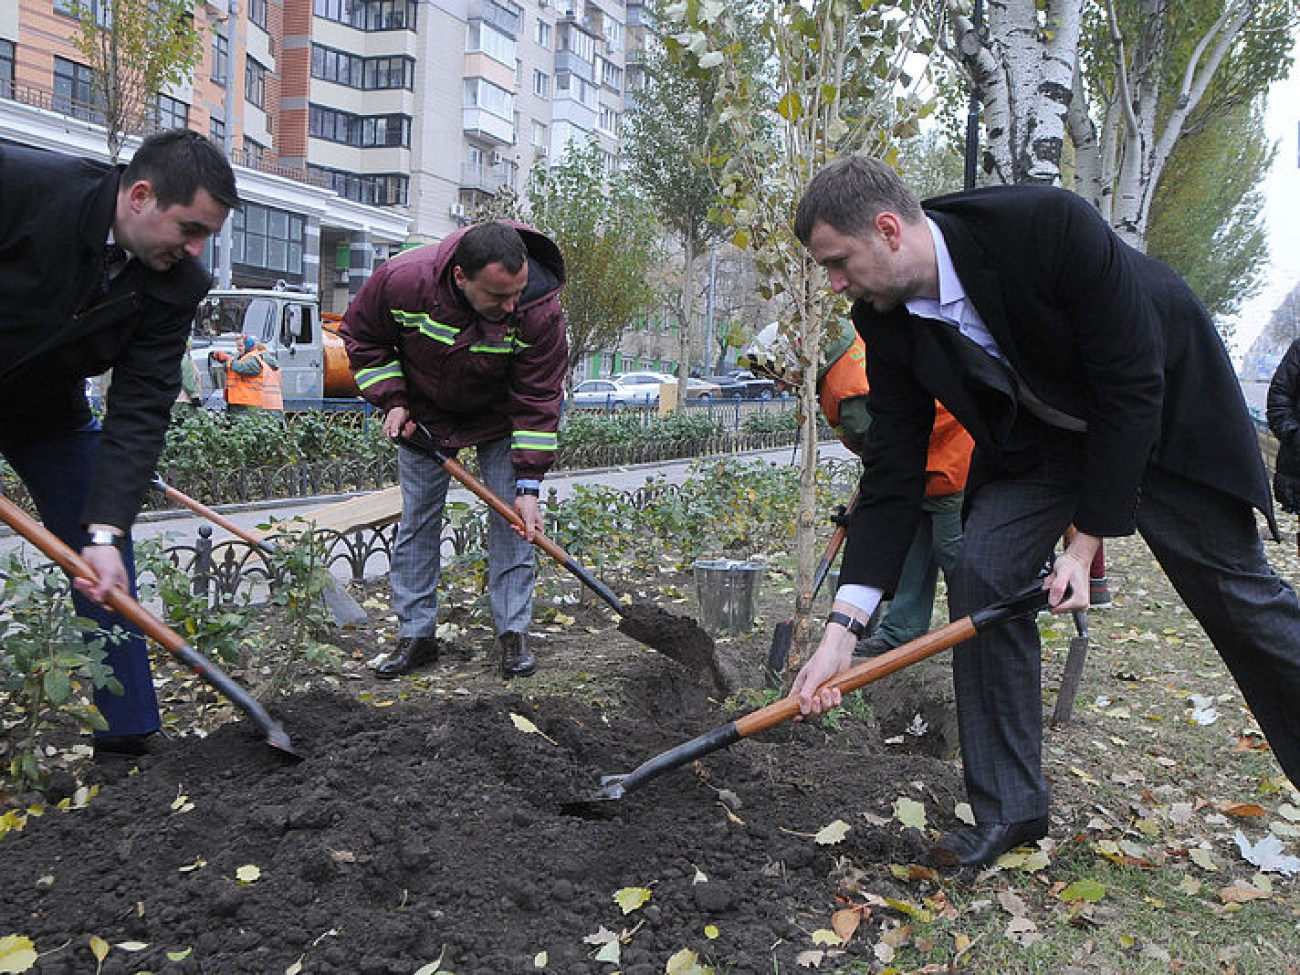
414	341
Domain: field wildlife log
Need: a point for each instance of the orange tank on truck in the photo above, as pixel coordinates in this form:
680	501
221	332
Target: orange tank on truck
287	321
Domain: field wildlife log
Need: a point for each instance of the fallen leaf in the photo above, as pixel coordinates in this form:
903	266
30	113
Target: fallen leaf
1243	809
248	873
825	936
1267	854
17	953
845	922
909	812
528	728
1085	889
832	833
809	959
630	898
610	952
1240	893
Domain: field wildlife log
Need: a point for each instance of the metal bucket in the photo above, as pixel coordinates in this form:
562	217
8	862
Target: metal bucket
727	590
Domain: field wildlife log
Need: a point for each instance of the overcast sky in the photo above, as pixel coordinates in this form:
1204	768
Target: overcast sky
1281	212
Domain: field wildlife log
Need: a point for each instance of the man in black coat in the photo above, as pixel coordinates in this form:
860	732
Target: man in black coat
99	271
1100	395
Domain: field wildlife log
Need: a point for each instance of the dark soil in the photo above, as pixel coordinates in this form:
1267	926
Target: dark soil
428	823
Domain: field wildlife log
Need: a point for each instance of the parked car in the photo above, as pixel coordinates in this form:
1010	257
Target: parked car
697	388
645	385
600	394
743	383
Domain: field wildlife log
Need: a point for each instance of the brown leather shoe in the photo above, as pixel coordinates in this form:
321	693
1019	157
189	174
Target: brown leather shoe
516	659
410	652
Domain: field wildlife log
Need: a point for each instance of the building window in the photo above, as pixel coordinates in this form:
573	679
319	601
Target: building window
102	9
371	74
220	58
375	189
481	37
541	135
543	34
541	84
253	153
369	15
7	68
254	82
172	113
268	239
217	131
257	12
365	132
611	75
608	120
74	91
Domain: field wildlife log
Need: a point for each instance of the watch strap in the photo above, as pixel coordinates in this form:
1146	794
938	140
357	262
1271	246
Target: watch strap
854	626
102	536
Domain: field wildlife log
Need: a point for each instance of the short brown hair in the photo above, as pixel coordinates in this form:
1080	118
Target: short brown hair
493	242
849	192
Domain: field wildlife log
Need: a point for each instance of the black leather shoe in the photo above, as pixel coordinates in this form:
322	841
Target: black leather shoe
410	652
871	646
125	748
516	659
985	842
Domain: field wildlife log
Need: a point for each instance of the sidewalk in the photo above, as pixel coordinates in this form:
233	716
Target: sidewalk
182	526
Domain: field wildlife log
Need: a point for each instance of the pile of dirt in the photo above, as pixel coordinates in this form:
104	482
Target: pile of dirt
440	818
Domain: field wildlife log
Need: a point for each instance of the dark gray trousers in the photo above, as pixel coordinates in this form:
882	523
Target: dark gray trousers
1207	542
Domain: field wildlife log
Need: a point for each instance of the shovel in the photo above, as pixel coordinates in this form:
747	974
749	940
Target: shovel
783	635
675	637
346	611
158	631
1072	676
1026	603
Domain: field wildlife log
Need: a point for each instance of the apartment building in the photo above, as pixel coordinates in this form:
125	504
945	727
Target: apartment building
357	127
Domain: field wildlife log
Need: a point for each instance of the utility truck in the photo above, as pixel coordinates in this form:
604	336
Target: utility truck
288	321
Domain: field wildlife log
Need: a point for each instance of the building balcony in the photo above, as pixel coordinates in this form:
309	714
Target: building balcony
485	179
484	125
572	63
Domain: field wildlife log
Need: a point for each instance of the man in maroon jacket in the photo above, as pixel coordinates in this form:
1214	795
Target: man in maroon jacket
465	338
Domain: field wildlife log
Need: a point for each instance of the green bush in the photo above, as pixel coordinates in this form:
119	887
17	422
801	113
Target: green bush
47	667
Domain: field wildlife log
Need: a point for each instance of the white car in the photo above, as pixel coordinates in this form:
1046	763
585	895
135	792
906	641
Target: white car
645	385
601	394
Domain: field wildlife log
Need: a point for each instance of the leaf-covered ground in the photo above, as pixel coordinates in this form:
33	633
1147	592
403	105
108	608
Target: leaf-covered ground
433	824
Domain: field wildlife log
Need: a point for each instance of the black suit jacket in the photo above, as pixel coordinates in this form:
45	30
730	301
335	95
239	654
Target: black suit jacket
56	328
1093	327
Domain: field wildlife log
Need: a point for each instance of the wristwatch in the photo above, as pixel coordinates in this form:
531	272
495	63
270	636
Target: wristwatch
854	626
102	536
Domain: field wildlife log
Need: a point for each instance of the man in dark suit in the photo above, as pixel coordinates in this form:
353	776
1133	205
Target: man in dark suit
99	270
1099	394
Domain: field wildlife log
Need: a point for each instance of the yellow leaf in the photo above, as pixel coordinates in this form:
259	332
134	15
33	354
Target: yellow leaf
17	953
630	898
1204	859
179	955
296	967
540	959
832	833
686	962
248	874
825	936
528	728
909	812
711	932
99	947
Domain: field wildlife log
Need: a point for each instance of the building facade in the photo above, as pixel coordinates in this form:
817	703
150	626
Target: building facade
357	127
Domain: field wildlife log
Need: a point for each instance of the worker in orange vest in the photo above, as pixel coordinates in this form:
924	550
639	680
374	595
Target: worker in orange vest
252	377
842	389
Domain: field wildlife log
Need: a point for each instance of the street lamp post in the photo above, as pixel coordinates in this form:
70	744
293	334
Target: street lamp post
224	271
